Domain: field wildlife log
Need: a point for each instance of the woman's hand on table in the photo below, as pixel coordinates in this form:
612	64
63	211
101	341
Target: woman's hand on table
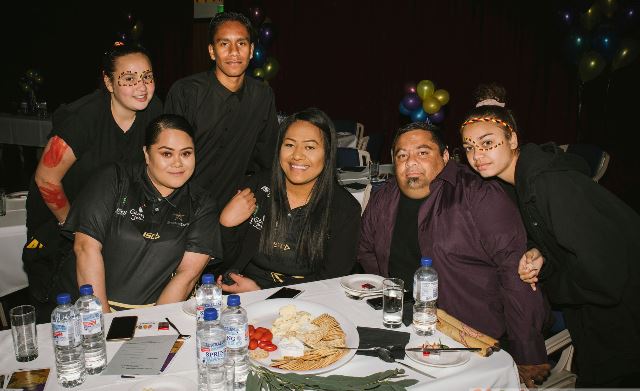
531	375
242	284
238	209
529	267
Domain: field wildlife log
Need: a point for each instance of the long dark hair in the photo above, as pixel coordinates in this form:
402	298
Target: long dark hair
315	229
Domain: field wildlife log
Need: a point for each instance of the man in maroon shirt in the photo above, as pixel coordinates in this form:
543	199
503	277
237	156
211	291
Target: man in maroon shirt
473	232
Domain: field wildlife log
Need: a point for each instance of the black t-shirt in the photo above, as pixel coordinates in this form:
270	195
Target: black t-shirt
88	127
404	255
235	132
143	235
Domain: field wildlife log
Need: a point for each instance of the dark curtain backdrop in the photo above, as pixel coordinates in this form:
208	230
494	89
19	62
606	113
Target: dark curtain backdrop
352	58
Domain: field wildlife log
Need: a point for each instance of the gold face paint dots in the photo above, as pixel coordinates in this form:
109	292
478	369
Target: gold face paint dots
131	79
481	148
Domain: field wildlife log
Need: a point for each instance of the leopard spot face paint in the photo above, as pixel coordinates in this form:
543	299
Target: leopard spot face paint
131	79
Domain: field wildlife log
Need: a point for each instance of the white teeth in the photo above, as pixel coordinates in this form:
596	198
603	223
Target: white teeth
298	167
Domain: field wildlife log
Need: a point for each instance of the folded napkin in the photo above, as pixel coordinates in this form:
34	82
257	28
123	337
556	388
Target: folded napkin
466	335
373	337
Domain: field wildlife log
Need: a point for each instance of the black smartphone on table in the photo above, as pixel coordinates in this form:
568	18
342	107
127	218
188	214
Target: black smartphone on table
375	303
122	328
285	293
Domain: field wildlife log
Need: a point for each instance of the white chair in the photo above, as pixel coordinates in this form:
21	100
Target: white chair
561	375
362	144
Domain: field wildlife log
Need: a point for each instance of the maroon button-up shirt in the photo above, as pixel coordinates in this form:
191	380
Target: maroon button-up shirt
474	234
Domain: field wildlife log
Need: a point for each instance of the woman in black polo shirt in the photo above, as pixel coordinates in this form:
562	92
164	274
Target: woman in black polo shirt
142	233
100	128
295	223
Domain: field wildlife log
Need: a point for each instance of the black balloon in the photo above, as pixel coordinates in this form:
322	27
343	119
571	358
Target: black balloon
605	41
259	55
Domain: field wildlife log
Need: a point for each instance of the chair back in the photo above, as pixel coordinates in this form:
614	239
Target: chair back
351	157
596	157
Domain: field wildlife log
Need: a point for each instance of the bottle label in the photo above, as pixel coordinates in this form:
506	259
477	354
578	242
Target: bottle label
65	333
211	353
237	336
428	291
91	322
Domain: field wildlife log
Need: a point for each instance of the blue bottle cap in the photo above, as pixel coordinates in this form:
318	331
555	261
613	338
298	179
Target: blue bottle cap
233	300
426	261
208	279
63	298
86	289
210	314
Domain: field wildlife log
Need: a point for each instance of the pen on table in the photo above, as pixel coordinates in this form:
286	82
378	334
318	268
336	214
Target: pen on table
127	377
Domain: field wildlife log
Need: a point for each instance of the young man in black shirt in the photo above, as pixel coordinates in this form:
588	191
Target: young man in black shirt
233	115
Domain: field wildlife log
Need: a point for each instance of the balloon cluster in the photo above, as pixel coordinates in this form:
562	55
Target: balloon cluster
263	67
29	85
601	32
130	30
422	102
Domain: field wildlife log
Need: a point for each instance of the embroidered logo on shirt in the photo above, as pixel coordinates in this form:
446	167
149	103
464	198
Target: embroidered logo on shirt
121	212
257	222
150	235
136	214
281	246
178	219
266	190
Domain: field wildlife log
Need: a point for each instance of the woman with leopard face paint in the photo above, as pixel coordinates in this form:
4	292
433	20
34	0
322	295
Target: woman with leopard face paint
589	240
100	128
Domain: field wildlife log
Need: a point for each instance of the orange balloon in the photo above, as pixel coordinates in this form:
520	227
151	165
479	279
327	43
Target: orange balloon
431	105
442	96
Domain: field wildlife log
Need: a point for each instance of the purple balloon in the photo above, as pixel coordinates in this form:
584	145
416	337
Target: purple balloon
412	101
267	32
437	117
419	115
403	110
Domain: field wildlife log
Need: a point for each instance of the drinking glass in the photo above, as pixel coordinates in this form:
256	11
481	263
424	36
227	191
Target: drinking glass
392	297
23	330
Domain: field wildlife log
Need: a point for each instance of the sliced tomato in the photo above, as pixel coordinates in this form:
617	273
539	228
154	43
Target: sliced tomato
253	344
266	336
269	347
251	330
262	344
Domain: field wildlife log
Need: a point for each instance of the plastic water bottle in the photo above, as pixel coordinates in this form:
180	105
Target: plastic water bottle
210	344
236	324
92	330
425	294
67	343
208	295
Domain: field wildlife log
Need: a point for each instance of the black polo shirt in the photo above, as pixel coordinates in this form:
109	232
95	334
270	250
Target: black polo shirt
144	235
236	132
88	127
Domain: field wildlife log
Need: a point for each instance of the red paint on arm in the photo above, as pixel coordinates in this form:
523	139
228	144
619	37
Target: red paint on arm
54	196
53	156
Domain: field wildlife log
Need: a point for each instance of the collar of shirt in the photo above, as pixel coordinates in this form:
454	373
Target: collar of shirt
223	92
449	173
153	196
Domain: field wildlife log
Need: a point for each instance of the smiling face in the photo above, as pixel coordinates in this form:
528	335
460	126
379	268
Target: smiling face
170	160
489	151
302	154
132	84
231	50
417	161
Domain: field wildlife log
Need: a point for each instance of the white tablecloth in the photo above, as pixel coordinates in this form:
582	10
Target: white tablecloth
495	372
13	235
24	130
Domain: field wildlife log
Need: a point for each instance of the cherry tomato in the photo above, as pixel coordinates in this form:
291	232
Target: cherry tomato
262	344
257	334
263	329
251	330
266	336
269	347
253	344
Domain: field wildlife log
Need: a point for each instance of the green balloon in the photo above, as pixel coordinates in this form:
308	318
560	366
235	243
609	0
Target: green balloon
590	66
425	88
591	18
626	54
259	73
271	68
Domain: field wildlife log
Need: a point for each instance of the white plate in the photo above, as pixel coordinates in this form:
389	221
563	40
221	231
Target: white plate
264	313
354	283
443	360
189	306
165	383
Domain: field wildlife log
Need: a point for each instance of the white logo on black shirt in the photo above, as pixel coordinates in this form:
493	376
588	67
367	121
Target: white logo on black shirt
135	215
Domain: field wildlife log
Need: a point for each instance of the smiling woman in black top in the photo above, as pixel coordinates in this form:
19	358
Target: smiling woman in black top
295	223
142	233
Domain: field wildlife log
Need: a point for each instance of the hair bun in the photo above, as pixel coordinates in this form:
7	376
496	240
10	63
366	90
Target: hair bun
490	95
